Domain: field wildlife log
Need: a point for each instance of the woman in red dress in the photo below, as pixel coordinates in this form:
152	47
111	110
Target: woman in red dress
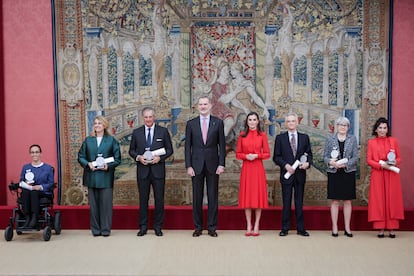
385	204
252	148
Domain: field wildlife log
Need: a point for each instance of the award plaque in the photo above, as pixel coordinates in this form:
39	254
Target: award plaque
334	154
303	158
148	156
29	176
391	158
100	162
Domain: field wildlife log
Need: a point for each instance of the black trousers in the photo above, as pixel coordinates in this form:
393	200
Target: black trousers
211	180
144	186
30	201
297	188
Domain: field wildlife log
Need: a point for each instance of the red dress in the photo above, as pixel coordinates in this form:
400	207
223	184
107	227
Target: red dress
253	188
385	202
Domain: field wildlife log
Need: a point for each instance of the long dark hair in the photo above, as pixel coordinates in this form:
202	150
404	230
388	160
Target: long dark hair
246	126
381	120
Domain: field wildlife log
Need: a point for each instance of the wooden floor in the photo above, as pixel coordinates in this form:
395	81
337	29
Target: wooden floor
77	252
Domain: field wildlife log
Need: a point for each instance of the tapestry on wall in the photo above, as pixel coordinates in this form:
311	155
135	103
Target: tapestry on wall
313	58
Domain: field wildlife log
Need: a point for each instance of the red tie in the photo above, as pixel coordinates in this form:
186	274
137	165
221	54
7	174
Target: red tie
204	129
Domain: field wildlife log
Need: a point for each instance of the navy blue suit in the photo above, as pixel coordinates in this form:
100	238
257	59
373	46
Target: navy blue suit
283	155
204	159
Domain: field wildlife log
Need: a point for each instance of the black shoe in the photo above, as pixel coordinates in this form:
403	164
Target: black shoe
349	235
335	234
381	235
303	233
33	221
197	233
212	233
142	232
392	236
283	233
96	234
158	233
106	234
26	222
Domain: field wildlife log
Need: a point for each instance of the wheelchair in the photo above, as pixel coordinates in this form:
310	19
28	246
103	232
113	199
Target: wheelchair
48	218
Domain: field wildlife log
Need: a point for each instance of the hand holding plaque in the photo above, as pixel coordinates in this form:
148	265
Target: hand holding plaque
390	167
303	159
149	155
334	156
100	162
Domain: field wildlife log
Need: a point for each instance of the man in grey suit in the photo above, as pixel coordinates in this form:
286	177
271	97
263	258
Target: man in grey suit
289	147
150	169
205	150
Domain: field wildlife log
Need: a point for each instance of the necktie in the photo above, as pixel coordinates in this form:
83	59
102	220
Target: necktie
149	138
293	144
204	129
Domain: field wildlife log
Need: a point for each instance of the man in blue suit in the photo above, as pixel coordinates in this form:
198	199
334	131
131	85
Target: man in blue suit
150	169
205	150
289	147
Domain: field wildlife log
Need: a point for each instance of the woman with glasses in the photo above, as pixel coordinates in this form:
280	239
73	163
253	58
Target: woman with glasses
341	157
36	180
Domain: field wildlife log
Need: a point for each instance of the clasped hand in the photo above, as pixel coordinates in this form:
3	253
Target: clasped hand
92	168
144	161
251	156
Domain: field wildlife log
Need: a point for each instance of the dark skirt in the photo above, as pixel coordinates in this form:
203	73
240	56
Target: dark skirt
341	185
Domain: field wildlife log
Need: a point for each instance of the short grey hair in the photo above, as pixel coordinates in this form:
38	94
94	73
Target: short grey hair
148	108
342	121
292	114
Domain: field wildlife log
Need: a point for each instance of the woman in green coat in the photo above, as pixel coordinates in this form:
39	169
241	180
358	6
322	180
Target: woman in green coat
99	155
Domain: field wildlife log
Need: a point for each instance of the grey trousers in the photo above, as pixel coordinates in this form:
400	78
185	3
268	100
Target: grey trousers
100	201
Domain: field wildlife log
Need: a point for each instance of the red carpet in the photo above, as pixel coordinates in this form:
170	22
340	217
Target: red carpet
230	218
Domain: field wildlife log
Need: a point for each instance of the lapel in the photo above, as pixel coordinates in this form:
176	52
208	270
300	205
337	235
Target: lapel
198	127
211	126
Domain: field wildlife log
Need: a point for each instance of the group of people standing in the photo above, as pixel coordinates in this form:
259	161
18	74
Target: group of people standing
205	150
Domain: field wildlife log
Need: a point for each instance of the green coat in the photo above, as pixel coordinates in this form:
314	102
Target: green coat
89	151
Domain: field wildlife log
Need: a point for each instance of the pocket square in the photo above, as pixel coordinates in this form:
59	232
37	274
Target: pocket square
159	140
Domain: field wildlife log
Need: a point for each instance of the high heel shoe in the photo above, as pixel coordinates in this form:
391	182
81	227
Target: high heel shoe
349	235
335	234
248	233
381	234
255	234
392	235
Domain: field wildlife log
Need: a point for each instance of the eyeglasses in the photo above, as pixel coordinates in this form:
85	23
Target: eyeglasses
344	125
34	152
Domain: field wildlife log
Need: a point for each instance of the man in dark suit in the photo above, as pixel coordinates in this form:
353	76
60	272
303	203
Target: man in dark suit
205	160
289	147
150	170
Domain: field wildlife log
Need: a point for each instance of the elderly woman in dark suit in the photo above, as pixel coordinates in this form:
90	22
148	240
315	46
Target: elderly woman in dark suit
341	157
99	155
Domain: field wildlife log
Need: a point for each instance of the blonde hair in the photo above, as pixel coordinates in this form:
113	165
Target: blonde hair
104	122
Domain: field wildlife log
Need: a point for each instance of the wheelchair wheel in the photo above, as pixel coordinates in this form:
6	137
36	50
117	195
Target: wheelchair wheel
47	233
57	223
8	233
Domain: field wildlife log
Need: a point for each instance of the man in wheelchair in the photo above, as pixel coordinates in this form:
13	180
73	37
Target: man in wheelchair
36	181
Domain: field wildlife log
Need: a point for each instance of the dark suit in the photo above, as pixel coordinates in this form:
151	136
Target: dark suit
151	174
204	159
283	155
